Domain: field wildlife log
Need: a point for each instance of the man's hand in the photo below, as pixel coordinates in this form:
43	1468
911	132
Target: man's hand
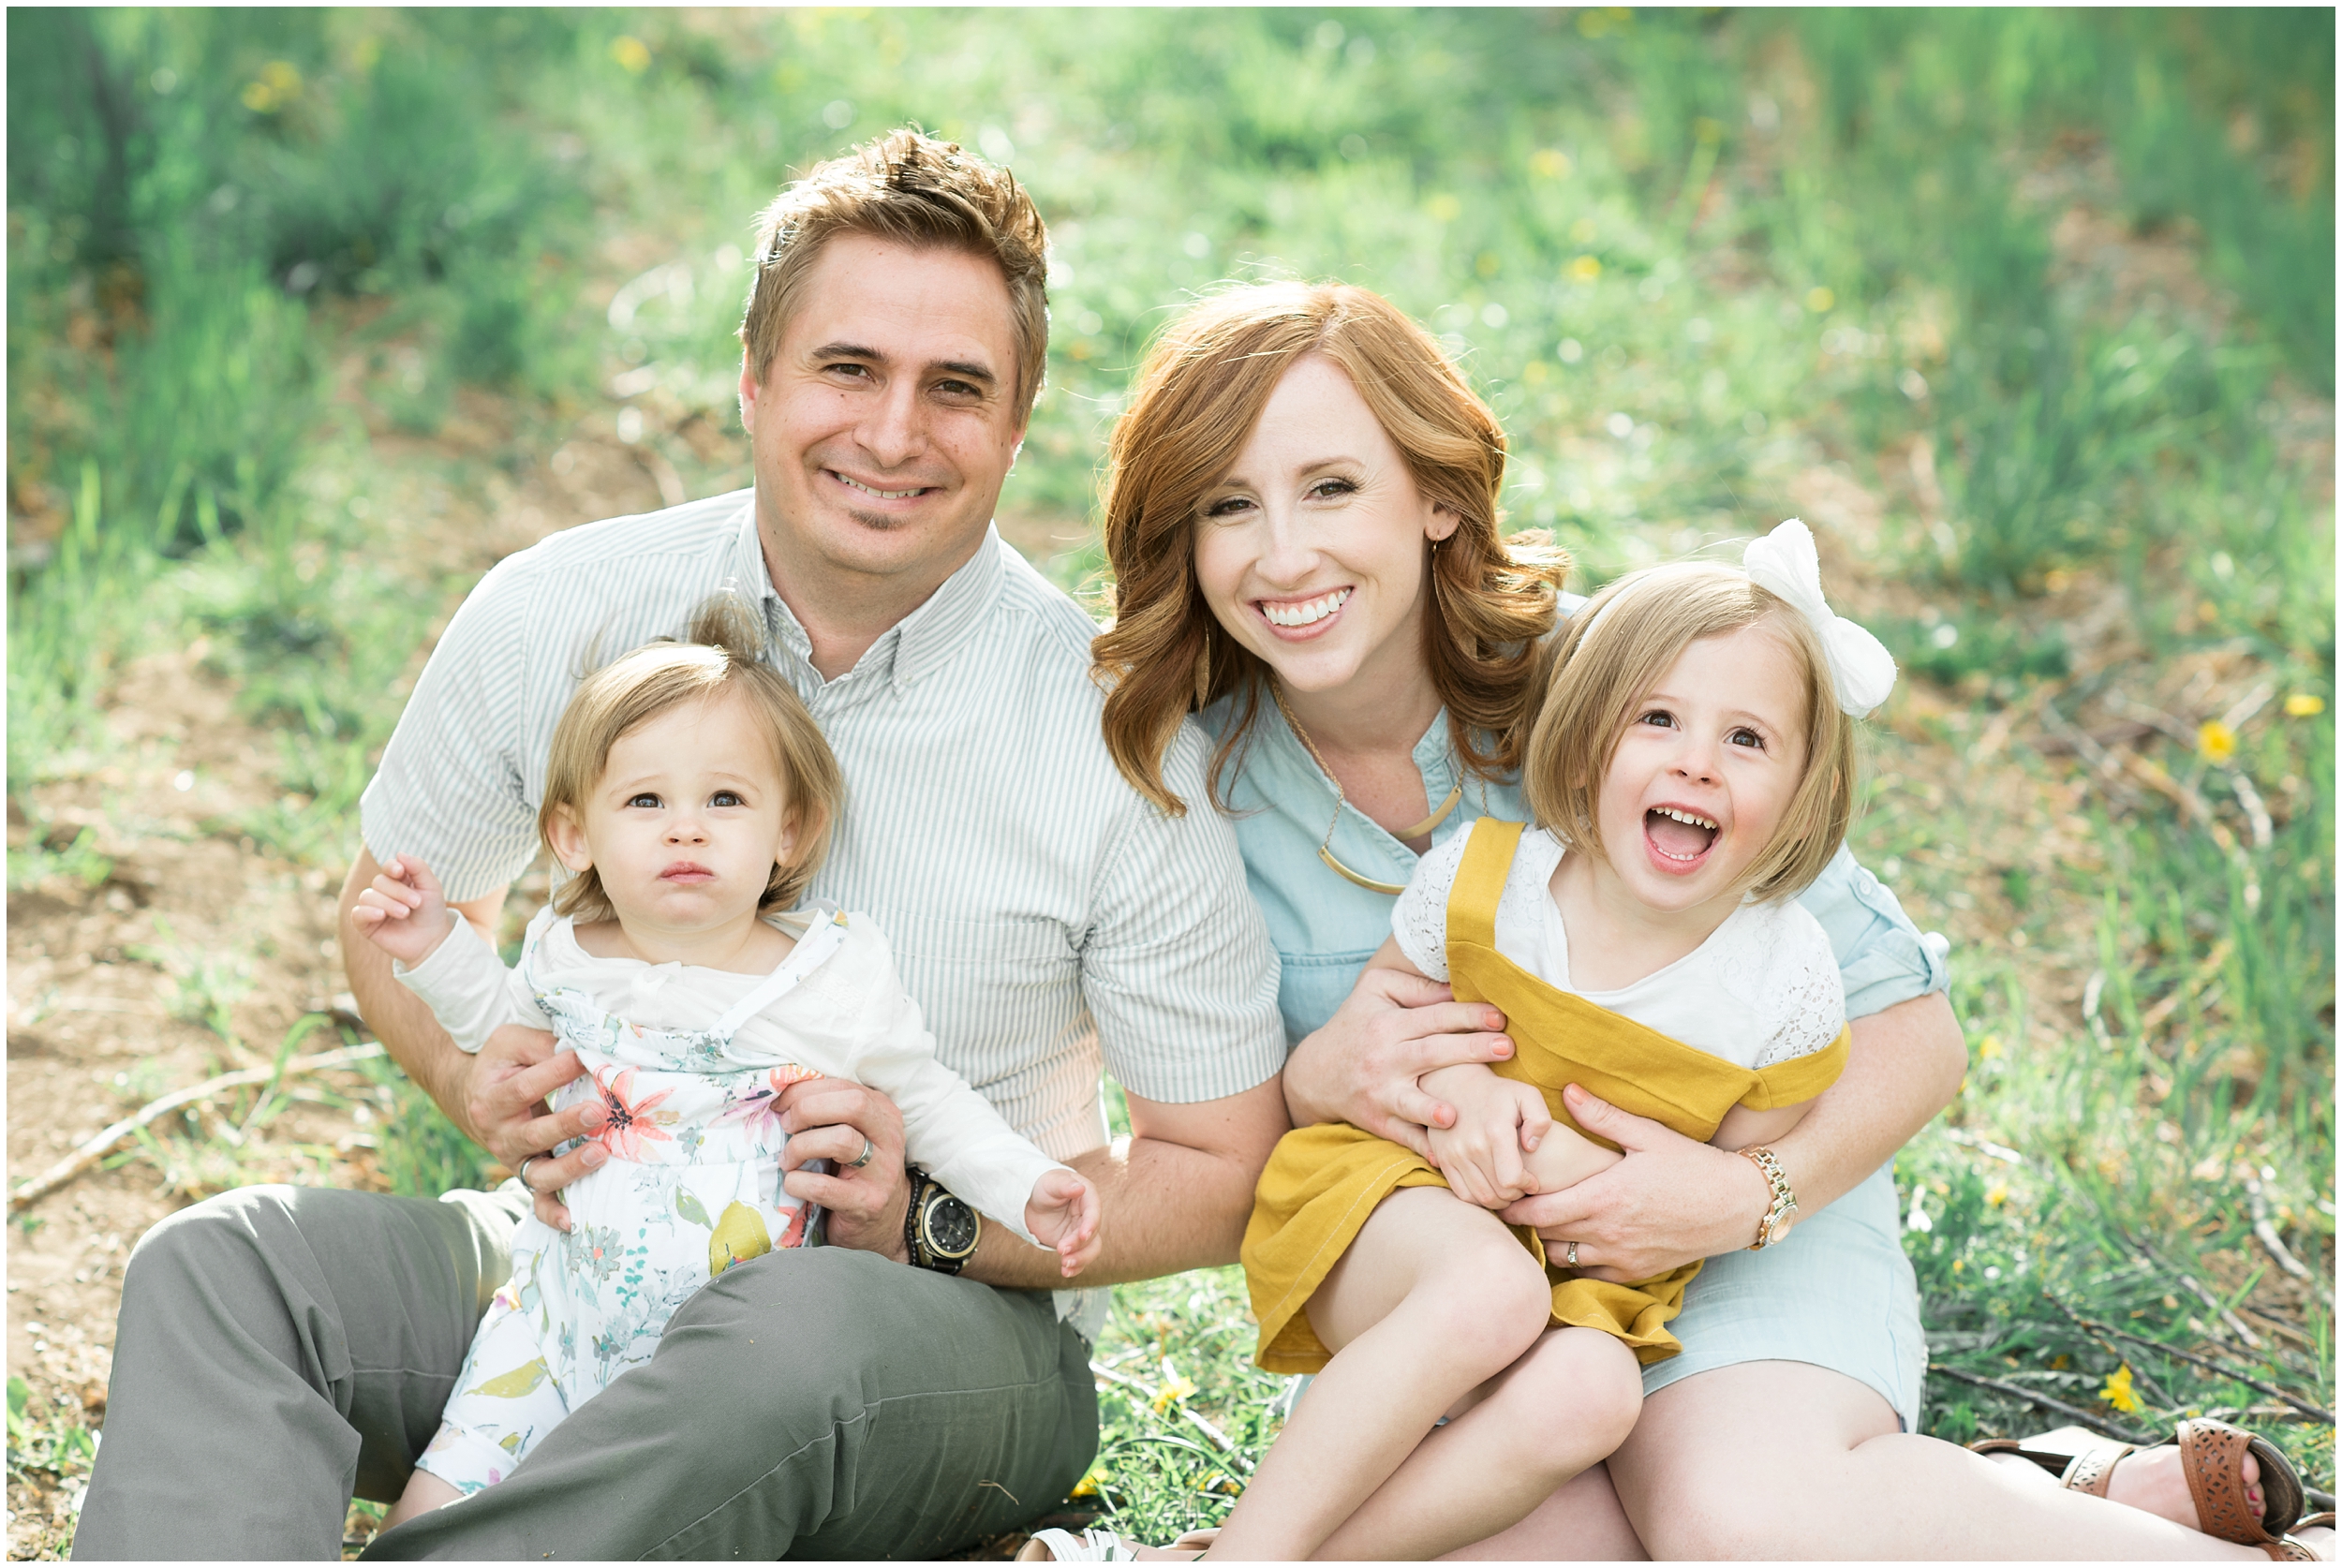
1363	1065
1063	1213
1668	1202
832	1119
503	1104
403	911
1498	1121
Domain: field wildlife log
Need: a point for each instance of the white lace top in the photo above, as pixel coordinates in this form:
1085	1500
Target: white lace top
1763	988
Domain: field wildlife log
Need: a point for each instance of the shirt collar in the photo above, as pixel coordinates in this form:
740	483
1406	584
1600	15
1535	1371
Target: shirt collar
914	647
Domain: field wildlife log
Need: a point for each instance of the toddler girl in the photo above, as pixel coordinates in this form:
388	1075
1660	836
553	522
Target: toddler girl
691	797
1691	771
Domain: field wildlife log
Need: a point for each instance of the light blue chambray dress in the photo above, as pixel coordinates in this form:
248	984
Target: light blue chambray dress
1838	1293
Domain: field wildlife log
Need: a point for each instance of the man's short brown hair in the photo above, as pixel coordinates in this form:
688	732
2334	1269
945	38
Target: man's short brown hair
906	186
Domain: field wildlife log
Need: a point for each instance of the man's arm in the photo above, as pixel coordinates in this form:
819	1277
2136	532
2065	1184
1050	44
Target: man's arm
1174	1195
497	1097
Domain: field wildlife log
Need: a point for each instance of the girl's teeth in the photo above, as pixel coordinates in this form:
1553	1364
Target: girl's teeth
1307	613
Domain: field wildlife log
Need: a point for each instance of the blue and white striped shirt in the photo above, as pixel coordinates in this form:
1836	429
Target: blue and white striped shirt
1048	919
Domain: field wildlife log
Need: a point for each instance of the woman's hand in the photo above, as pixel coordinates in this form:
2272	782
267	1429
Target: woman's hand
1361	1068
1669	1202
842	1122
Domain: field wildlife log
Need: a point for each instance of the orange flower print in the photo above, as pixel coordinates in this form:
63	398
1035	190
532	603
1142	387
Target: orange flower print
627	1125
795	1235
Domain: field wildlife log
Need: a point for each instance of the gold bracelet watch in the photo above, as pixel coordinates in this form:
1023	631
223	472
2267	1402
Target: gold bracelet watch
1782	1214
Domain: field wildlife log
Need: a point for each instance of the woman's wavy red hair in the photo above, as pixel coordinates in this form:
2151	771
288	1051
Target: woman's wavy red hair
1193	405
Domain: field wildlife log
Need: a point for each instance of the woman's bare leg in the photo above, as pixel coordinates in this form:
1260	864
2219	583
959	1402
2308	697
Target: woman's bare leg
1580	1520
1782	1459
1432	1300
1558	1410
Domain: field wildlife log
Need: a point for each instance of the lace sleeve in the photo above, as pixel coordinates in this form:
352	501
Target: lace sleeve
1421	920
1804	1002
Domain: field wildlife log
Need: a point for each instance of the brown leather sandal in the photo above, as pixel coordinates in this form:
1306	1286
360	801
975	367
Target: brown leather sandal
2287	1549
2212	1455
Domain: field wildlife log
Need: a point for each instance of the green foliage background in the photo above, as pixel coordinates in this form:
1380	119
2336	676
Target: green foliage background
1685	254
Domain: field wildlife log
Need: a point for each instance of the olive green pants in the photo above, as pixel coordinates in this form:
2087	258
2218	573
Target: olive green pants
283	1348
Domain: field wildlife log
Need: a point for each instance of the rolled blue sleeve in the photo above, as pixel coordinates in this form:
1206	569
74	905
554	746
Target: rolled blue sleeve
1884	958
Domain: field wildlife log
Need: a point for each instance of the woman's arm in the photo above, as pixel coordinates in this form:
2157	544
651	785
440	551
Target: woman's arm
1362	1066
1672	1201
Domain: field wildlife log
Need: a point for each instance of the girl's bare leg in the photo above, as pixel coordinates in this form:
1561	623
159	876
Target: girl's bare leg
1434	1298
1561	1408
1579	1520
424	1491
1784	1459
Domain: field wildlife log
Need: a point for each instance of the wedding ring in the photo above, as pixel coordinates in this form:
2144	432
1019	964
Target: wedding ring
867	1152
1570	1258
523	1172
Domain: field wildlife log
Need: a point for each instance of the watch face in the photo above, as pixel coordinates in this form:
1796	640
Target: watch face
949	1225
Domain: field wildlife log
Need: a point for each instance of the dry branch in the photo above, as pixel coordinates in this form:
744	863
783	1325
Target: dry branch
2267	1231
2091	1419
94	1148
1220	1439
2305	1407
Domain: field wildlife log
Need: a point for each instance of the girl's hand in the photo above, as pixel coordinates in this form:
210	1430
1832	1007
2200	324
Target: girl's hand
403	910
1498	1121
1668	1202
1063	1213
1361	1068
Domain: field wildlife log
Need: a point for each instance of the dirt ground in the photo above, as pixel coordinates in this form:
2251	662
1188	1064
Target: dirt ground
199	952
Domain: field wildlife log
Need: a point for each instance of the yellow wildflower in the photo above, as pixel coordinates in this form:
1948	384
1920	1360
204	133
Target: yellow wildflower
631	53
1820	299
1585	268
2215	740
1549	163
1988	1047
2118	1392
1086	1486
1177	1389
1446	209
1998	1195
2304	705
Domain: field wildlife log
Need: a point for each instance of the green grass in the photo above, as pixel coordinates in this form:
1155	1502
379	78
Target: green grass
262	264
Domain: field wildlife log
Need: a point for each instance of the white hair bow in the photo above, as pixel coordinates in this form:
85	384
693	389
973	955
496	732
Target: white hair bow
1860	668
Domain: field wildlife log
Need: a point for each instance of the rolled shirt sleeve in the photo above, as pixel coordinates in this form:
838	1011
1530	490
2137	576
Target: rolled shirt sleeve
1882	957
1177	968
452	789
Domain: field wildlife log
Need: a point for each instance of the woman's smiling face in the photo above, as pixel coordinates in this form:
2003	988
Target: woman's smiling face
1311	549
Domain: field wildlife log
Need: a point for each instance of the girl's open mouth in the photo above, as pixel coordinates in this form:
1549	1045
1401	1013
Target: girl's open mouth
1677	836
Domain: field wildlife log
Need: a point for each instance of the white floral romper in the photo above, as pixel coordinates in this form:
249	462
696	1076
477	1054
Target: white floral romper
692	1186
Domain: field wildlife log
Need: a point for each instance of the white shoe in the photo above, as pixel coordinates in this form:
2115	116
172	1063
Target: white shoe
1091	1545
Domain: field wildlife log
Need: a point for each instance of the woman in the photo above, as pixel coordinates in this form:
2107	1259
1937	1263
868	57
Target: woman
1301	517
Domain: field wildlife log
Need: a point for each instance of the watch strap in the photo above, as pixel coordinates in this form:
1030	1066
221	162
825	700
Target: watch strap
1783	1207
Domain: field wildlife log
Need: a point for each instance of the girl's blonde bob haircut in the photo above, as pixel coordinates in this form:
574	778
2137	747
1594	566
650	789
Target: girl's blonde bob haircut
1620	645
723	654
1193	405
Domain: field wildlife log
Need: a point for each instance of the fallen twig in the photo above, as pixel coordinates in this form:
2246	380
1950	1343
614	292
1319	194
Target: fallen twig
2001	1152
1220	1439
91	1150
2209	1365
2091	1419
2267	1231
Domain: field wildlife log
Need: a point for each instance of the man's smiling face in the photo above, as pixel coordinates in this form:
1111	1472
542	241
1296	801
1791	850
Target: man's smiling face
884	425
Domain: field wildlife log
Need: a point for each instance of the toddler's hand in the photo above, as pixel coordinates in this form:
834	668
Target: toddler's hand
1497	1120
403	911
1063	1213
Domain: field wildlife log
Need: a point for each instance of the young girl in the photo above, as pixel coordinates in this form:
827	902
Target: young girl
1691	771
691	797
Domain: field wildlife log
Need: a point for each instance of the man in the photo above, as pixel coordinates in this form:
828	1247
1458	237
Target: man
278	1347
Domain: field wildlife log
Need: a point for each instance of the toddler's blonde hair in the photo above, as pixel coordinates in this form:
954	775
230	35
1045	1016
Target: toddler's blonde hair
1622	642
721	654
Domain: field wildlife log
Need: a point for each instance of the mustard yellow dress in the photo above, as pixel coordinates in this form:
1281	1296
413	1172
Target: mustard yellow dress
1322	1182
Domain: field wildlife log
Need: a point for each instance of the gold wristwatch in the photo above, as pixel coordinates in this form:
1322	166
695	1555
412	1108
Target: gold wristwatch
1783	1212
939	1230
